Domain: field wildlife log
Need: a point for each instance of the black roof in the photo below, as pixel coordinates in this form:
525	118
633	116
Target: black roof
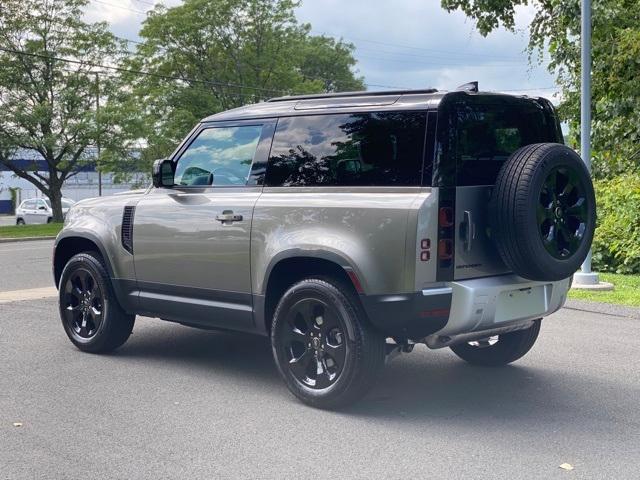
349	102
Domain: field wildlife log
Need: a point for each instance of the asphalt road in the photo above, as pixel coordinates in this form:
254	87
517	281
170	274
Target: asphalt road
25	265
175	402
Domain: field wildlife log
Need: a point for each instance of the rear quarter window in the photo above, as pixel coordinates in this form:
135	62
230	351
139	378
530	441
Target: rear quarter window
366	149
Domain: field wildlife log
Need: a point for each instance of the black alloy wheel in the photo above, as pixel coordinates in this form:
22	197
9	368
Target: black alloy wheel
90	313
326	351
562	212
314	341
83	303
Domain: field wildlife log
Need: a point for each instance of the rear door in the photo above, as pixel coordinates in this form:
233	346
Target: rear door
486	131
191	242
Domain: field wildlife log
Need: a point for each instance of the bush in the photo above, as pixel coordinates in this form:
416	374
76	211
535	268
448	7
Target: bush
616	246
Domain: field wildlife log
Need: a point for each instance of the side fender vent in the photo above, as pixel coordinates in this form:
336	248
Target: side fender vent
127	228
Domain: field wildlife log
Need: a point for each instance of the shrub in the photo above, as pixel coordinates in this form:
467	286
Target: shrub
616	246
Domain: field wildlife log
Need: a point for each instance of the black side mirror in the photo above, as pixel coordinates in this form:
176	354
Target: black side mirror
163	173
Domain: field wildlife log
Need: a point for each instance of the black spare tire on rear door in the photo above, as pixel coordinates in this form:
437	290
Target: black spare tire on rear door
543	212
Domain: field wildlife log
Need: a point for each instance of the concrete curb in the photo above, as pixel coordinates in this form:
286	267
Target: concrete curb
24	239
604	308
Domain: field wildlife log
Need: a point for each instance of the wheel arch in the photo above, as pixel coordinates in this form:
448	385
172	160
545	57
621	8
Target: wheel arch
290	267
69	245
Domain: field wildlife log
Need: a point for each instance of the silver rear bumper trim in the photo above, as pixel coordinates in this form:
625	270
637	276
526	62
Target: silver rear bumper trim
437	291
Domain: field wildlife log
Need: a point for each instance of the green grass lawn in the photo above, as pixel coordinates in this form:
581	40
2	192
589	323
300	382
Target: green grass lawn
626	292
20	231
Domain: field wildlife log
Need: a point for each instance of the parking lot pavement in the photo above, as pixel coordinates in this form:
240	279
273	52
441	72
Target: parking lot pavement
25	265
175	402
7	220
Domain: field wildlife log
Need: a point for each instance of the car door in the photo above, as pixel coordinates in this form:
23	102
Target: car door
191	242
30	211
42	212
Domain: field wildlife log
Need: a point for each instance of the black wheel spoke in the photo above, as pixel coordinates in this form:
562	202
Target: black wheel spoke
561	213
300	366
323	377
337	355
83	310
314	343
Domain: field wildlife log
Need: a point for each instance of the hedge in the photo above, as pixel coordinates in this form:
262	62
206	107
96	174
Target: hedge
616	245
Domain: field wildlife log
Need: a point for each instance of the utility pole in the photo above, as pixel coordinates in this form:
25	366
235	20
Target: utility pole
98	139
585	277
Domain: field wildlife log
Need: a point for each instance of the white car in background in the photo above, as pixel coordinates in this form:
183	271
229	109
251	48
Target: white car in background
38	210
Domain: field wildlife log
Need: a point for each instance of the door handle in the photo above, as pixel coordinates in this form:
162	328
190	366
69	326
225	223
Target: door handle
228	216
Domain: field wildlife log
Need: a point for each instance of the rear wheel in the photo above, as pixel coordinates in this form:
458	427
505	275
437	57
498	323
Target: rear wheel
500	349
20	221
91	316
325	349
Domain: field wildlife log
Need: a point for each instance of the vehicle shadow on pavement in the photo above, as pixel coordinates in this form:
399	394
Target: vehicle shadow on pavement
214	353
423	386
436	386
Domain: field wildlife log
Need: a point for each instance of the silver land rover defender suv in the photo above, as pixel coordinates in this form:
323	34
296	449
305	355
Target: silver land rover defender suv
345	227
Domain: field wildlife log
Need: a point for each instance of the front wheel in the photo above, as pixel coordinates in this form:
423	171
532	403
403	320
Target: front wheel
500	349
91	315
325	349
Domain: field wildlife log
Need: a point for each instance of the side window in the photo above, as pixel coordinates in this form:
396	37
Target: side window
367	149
29	205
219	156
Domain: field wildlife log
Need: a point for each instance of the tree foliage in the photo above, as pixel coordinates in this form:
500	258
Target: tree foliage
48	105
615	50
206	56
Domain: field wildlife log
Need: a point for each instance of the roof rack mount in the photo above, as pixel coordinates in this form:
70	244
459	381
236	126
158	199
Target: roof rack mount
351	94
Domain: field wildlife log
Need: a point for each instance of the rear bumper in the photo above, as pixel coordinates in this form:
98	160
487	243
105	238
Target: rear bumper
482	305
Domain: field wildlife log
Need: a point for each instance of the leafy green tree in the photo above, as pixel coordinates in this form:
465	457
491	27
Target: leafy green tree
206	56
48	105
615	71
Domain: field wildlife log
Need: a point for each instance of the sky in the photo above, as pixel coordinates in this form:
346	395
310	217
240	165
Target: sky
399	43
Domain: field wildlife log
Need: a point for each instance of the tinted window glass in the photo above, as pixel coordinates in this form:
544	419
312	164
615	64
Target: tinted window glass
224	153
379	149
489	134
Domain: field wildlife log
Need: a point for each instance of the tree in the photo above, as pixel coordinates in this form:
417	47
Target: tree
206	56
615	50
48	88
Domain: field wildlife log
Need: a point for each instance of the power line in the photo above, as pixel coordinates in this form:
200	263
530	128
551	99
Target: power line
153	4
141	72
412	47
139	12
434	64
427	57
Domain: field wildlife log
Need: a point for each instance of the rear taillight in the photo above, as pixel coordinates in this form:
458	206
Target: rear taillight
445	217
445	249
445	236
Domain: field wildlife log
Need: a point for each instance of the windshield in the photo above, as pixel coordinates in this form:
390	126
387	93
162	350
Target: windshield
65	203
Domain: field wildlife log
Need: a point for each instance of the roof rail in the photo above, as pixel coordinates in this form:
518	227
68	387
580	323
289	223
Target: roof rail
350	94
